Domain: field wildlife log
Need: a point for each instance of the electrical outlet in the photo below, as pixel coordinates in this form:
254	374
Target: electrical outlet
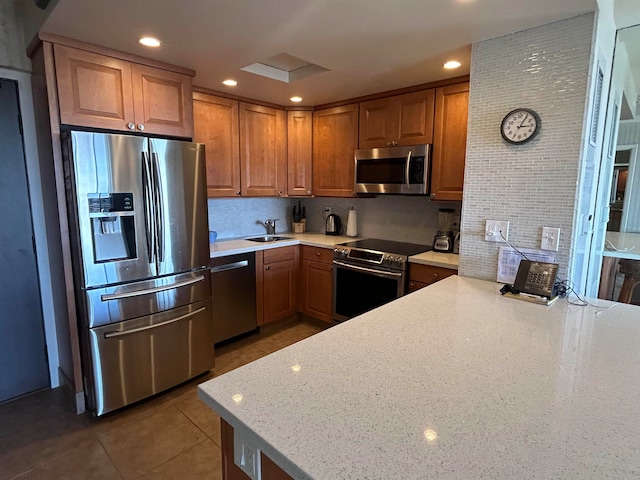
550	238
327	210
246	455
495	230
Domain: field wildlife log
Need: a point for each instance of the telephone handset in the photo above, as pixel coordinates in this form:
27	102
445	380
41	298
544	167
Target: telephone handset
536	278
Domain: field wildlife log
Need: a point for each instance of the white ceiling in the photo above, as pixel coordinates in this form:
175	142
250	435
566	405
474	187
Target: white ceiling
369	46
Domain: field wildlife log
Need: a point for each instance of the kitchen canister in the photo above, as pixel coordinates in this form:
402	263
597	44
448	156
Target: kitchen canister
352	223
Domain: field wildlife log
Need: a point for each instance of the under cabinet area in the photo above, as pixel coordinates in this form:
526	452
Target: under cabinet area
449	142
335	139
397	120
422	275
102	91
276	283
316	283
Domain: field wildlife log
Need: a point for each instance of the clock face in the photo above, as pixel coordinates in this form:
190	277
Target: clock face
520	126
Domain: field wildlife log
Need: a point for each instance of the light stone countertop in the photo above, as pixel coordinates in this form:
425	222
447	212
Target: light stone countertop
452	381
221	248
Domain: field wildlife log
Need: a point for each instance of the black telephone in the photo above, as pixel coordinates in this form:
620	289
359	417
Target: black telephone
536	278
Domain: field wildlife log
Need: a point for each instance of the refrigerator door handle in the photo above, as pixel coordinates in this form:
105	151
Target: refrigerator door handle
148	208
117	296
149	327
158	205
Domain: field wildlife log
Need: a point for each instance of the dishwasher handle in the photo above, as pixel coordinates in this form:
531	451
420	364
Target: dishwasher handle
230	266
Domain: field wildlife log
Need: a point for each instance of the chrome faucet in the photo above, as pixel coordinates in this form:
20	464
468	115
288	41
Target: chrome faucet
270	225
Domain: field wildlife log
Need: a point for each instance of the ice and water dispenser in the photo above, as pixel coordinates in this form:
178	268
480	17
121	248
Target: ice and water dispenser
112	226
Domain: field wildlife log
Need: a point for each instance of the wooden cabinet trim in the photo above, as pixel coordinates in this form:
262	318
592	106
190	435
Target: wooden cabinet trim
108	52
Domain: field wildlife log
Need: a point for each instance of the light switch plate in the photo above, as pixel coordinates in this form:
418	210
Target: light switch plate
550	238
246	454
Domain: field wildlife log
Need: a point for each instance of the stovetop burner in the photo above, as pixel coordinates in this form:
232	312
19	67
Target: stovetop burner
388	246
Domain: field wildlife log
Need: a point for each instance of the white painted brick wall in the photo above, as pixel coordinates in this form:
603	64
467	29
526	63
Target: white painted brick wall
532	185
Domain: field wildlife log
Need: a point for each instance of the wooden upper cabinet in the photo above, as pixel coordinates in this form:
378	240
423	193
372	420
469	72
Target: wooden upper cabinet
263	150
216	125
449	142
335	139
93	90
299	148
162	101
105	92
398	120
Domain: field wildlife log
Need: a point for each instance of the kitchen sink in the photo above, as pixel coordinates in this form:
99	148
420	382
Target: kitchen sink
267	238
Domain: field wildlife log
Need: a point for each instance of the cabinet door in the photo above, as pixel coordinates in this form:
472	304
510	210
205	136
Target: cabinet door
378	123
277	271
450	142
162	101
427	274
299	130
216	125
399	120
93	90
415	117
263	154
316	285
335	139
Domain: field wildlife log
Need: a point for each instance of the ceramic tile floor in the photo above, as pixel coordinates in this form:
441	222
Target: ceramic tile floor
171	436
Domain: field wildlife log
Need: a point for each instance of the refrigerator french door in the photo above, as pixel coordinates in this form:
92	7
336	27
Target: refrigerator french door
141	256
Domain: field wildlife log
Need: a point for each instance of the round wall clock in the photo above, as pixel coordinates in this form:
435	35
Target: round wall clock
520	126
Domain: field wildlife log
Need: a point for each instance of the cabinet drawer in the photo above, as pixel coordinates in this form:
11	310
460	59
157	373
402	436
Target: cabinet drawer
324	255
279	254
427	274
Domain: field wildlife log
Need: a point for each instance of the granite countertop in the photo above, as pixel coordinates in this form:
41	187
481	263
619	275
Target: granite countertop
451	381
622	245
221	248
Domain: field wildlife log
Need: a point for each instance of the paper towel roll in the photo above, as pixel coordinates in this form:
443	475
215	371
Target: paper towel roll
352	223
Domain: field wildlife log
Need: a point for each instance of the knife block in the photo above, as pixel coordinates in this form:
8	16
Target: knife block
300	227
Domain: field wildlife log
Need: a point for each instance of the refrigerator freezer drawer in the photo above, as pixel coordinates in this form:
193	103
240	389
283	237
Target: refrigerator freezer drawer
138	358
117	304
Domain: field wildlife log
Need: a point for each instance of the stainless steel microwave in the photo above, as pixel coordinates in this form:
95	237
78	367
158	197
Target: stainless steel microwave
395	170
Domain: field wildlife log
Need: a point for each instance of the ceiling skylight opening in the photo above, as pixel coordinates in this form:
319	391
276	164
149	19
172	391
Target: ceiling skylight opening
150	42
451	64
229	82
296	99
284	68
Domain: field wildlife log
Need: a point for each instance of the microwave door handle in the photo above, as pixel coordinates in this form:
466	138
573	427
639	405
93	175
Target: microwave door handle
406	173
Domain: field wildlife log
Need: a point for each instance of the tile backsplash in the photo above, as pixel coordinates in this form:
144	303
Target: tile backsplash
399	218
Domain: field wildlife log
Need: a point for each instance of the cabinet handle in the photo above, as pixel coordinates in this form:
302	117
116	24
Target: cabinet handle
435	276
140	127
308	192
279	193
388	144
267	267
131	126
433	195
238	192
317	254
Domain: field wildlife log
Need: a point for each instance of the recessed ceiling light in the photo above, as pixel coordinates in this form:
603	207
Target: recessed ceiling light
150	41
230	83
296	99
450	65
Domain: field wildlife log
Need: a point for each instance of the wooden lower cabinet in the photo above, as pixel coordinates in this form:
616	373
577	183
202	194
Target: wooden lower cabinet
422	275
316	283
276	283
230	471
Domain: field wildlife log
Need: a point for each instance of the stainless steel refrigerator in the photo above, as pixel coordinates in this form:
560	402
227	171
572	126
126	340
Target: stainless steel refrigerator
138	227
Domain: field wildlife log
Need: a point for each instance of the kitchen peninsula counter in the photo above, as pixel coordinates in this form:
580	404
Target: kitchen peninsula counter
452	381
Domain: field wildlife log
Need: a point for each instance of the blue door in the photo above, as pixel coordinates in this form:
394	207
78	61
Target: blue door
23	357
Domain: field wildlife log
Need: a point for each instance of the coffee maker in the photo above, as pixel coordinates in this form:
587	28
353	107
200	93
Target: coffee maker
443	241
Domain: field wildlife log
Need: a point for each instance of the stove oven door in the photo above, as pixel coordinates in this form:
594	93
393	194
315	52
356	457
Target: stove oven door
359	288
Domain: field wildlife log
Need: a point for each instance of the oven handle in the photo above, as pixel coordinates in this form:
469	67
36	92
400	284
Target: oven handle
369	270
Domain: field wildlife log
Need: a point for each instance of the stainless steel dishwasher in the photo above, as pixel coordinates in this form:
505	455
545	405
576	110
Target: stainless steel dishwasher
233	287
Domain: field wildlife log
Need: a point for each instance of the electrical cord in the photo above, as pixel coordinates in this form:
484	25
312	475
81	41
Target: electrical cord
608	244
507	242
